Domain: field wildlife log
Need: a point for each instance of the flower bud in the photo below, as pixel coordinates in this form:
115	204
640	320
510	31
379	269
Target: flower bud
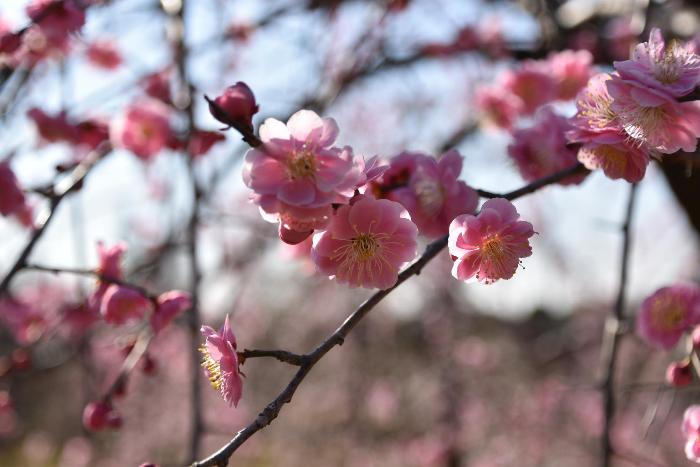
100	415
679	373
235	107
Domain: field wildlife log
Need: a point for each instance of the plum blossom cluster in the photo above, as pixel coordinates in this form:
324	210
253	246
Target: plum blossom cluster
53	22
521	91
640	110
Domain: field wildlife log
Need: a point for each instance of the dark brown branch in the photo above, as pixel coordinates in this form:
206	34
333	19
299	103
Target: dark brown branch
611	334
272	410
281	355
60	191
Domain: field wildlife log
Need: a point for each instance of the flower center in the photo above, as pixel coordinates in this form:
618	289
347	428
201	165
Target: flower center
364	247
667	70
597	111
667	314
302	165
216	378
430	195
494	249
645	122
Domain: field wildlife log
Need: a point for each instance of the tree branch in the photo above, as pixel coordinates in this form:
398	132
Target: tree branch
611	333
59	191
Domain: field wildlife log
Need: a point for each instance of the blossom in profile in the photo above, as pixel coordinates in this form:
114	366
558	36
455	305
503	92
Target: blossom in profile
121	305
668	313
497	106
104	54
488	246
691	430
542	149
13	202
673	68
604	144
143	128
654	118
169	306
220	362
101	415
366	243
429	189
571	70
298	174
235	107
533	83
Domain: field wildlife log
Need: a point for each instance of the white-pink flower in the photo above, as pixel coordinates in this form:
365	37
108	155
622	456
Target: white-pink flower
691	431
366	243
654	118
489	246
143	128
571	70
673	69
297	174
221	362
604	143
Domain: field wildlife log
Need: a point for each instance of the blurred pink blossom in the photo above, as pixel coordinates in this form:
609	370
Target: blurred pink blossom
121	305
571	70
143	128
667	313
170	305
104	54
98	416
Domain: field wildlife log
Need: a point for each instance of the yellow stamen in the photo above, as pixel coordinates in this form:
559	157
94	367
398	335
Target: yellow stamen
302	165
213	368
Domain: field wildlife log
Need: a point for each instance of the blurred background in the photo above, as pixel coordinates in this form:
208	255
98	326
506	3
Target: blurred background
441	373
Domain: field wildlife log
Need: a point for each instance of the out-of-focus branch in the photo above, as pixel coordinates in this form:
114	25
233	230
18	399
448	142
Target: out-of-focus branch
537	184
611	333
272	410
58	192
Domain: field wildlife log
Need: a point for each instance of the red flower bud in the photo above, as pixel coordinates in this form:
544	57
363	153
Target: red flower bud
100	415
235	107
679	373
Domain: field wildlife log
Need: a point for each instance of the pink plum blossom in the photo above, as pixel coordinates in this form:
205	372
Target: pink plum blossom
667	313
533	83
297	174
221	362
53	128
430	191
571	70
604	143
157	86
170	305
104	54
679	373
497	106
121	304
488	246
235	107
143	128
541	149
98	416
26	321
653	118
12	199
202	141
366	243
672	68
691	430
56	19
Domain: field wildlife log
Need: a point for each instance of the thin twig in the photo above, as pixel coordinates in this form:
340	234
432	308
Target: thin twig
281	355
60	190
272	410
609	347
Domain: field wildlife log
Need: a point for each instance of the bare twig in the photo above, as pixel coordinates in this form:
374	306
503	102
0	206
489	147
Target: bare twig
611	335
272	410
281	355
60	190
